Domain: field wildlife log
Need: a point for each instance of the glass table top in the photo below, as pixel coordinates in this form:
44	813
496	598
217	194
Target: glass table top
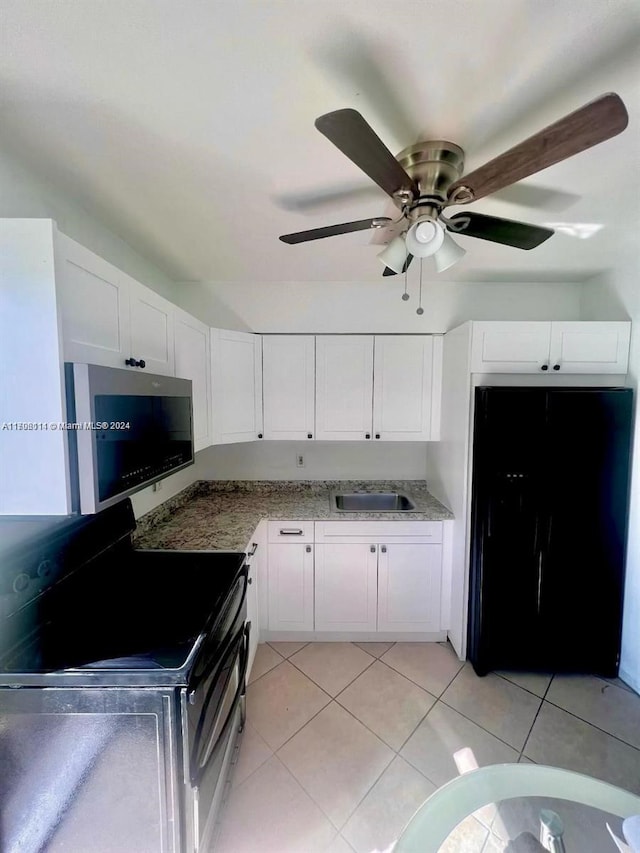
499	808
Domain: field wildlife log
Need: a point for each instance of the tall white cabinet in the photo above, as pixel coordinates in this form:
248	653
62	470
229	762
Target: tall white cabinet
288	386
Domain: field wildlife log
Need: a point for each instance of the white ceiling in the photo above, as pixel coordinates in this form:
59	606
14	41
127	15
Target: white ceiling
187	127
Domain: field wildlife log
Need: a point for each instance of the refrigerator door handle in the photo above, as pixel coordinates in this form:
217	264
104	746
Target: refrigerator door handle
539	593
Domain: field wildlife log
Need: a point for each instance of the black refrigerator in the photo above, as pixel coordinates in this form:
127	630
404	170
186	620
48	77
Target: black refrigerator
550	495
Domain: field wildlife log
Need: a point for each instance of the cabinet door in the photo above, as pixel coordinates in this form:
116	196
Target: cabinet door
288	386
291	587
344	387
151	329
94	303
589	347
193	361
256	558
409	578
505	347
402	384
346	587
236	374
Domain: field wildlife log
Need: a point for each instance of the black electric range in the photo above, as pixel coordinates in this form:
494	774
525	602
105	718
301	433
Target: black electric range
80	606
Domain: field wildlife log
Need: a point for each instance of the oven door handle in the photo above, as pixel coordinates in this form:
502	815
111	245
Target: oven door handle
195	681
200	769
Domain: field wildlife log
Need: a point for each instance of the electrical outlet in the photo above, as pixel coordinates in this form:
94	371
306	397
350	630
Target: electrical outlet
300	460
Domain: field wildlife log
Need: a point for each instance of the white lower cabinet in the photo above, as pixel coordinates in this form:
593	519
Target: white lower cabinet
256	552
346	580
409	581
290	586
357	577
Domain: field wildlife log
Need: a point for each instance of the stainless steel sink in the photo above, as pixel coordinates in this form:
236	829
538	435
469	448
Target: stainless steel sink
371	502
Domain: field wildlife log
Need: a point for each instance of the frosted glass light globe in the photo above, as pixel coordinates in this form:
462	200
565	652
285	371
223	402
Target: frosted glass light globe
424	238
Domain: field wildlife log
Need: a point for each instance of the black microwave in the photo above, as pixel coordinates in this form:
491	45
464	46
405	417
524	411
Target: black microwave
127	429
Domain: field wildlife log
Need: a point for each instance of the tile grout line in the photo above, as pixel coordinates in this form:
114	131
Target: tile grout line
419	685
593	725
497	737
355	678
543	700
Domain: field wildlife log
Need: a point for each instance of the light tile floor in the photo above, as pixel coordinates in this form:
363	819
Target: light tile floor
345	741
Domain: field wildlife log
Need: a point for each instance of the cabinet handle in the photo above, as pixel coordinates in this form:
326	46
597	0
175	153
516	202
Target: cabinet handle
309	435
291	531
132	362
384	549
254	548
308	549
544	367
373	549
556	367
249	580
377	435
259	435
367	435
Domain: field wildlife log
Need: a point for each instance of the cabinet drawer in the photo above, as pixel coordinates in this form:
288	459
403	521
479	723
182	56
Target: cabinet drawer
290	531
379	531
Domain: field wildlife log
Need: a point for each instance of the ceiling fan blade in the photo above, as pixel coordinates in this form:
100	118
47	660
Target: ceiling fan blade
594	123
357	140
332	230
507	231
389	271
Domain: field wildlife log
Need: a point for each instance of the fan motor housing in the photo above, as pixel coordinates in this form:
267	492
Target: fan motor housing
434	165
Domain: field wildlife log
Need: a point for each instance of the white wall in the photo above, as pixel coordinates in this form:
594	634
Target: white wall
24	194
615	295
376	306
324	460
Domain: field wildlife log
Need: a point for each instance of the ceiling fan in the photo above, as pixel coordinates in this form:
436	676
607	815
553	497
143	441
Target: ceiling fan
426	178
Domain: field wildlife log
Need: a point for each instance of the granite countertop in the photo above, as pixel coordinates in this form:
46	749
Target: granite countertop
222	515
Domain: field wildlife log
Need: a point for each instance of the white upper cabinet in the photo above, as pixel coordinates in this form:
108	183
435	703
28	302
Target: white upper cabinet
107	316
589	347
151	329
402	387
344	387
288	386
236	379
94	303
550	347
499	347
192	361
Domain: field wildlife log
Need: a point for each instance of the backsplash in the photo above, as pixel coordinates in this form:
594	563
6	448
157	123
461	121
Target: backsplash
324	460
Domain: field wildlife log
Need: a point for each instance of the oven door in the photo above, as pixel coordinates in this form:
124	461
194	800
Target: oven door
220	629
216	727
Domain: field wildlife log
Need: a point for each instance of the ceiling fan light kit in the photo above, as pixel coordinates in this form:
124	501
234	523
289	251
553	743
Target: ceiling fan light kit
448	254
394	256
427	177
424	238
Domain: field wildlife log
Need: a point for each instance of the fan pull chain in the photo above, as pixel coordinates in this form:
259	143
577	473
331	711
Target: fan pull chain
405	295
420	309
